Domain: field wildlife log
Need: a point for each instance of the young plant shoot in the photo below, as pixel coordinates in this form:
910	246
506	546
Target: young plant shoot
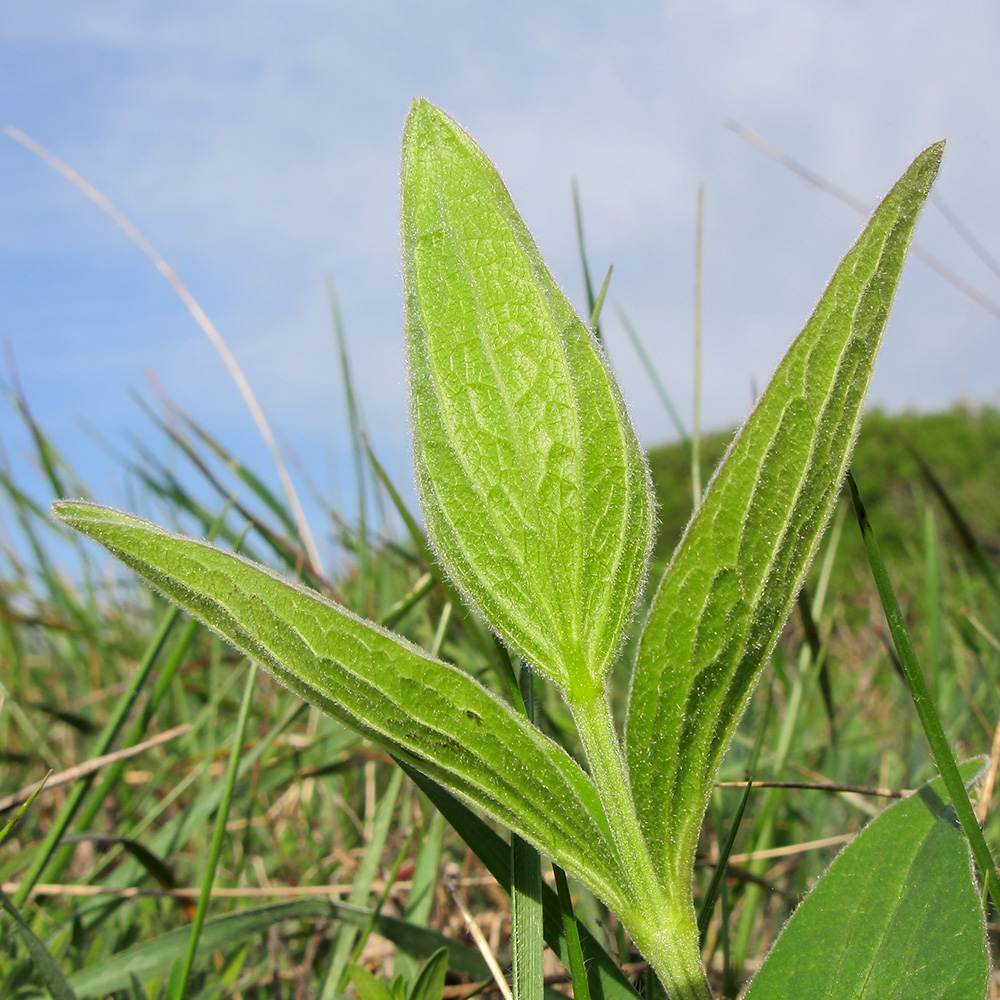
537	502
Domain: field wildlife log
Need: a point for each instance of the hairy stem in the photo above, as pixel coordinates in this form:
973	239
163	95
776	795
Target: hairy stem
660	918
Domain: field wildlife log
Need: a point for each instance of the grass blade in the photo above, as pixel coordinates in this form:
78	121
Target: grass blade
571	930
606	979
588	283
647	364
719	875
961	526
355	426
343	945
924	704
811	177
155	957
55	982
199	316
111	729
526	943
218	834
699	255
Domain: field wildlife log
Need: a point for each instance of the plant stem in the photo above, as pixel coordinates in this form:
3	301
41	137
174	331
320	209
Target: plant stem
660	918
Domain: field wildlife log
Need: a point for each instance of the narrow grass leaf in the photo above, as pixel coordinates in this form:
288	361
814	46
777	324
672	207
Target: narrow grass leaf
534	489
896	917
576	966
658	386
48	969
719	875
218	833
242	471
430	982
961	526
426	711
924	704
149	862
110	732
588	284
343	945
733	579
526	934
25	806
420	898
155	957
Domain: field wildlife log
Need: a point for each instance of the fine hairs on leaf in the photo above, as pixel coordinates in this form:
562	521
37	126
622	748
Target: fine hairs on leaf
537	503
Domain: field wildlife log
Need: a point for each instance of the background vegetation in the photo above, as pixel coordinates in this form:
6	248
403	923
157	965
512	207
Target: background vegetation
92	663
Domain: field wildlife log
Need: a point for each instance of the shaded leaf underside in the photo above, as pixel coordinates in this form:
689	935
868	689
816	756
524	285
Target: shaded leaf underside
426	711
730	585
532	482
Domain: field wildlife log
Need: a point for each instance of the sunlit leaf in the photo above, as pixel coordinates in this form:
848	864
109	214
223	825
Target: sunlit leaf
533	486
426	711
731	583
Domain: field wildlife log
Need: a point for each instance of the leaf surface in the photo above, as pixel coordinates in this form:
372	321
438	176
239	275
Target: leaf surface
155	957
729	587
533	486
426	711
896	917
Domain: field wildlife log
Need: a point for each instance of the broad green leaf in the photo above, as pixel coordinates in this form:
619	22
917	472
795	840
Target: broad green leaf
732	580
367	986
896	917
533	486
427	712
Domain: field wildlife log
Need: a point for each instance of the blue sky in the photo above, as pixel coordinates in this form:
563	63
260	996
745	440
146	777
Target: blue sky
256	146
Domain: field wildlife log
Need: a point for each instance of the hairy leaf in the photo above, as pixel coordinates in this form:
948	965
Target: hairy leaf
427	712
533	486
730	585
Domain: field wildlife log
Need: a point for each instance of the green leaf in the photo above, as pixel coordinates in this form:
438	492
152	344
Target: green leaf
154	958
427	712
896	917
533	486
605	977
430	982
731	583
367	986
48	969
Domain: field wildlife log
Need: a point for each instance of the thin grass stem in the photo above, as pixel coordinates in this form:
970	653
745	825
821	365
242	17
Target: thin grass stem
200	317
699	261
218	833
923	703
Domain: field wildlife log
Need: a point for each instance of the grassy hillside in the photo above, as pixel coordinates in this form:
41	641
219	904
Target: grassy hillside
961	447
312	808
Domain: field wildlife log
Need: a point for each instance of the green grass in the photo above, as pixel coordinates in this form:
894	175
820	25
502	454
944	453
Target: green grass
308	790
960	445
91	662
